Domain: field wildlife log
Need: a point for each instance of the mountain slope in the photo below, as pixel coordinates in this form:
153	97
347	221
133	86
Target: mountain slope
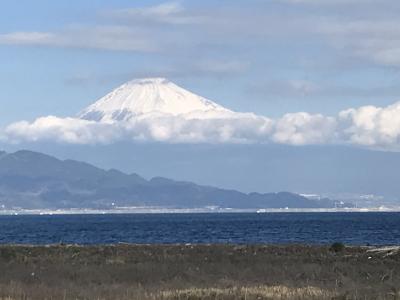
147	96
34	180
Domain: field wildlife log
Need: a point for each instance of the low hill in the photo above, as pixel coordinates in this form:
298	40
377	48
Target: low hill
32	180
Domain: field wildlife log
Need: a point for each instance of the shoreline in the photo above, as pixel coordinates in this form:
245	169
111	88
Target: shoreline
367	247
160	210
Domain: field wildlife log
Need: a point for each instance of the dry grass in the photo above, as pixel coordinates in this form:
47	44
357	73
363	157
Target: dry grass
153	272
245	293
248	293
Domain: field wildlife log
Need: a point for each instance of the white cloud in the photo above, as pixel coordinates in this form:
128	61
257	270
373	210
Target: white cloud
369	126
373	126
296	129
236	128
68	130
303	129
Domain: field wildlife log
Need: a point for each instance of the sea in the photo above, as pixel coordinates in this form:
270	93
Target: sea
372	228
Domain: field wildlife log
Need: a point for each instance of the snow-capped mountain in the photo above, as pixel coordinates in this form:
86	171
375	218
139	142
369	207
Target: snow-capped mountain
149	96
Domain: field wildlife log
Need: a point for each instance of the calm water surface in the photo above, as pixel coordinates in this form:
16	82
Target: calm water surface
278	228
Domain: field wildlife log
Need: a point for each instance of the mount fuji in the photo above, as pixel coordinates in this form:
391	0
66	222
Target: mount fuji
150	96
150	109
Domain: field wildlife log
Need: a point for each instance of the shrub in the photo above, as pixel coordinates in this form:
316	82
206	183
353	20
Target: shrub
337	247
7	254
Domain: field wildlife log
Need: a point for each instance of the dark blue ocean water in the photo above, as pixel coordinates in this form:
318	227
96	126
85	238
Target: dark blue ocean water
278	228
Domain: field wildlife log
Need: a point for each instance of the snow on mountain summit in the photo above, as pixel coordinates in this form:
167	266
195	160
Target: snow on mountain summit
146	96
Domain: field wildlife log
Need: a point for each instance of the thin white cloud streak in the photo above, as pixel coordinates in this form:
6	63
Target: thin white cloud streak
368	126
156	11
169	13
27	38
117	38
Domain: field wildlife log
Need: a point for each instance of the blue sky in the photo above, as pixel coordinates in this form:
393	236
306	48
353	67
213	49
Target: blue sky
269	57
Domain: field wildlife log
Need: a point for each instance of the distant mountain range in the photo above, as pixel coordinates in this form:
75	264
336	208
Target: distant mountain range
32	180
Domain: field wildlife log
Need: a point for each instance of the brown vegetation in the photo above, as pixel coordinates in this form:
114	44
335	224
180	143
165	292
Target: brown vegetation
197	272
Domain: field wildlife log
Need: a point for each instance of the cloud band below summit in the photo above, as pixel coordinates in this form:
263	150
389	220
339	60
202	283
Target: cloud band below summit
367	126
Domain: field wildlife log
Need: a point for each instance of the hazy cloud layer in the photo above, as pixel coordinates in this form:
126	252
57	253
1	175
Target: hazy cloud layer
164	26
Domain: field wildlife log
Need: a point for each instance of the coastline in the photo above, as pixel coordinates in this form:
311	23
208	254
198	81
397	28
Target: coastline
201	210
